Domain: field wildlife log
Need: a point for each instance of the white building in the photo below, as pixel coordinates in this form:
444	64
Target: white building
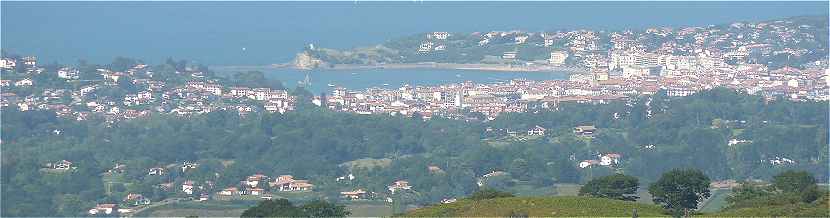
558	58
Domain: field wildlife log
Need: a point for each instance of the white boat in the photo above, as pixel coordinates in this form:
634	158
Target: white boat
331	85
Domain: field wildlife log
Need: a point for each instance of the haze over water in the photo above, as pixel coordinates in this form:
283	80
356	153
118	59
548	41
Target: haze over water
215	33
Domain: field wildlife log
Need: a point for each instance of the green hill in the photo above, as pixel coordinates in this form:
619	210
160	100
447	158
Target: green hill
538	207
778	206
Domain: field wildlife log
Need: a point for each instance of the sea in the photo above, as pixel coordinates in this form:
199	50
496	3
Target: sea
221	33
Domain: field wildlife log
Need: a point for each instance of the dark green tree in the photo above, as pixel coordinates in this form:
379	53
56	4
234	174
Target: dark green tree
274	208
793	181
617	186
680	189
322	208
488	193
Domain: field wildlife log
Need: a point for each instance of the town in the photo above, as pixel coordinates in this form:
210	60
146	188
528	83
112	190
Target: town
614	67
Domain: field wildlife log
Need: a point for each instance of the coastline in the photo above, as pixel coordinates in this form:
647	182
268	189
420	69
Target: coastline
447	66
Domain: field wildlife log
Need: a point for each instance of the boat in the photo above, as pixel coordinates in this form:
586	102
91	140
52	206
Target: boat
386	84
331	85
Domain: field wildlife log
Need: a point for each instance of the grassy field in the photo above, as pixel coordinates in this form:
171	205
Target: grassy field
717	202
538	207
817	209
567	189
525	190
200	209
367	163
369	209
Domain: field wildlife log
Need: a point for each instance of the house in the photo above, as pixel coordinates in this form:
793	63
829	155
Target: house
440	35
354	195
187	187
188	166
300	185
23	82
448	200
480	181
350	177
68	73
587	131
399	185
558	58
288	183
281	182
30	61
609	159
538	130
5	83
103	209
7	63
231	191
254	180
588	163
136	199
156	171
256	191
62	165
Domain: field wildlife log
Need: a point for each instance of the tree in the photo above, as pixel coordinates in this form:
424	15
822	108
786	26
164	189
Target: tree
274	208
322	208
680	189
618	186
122	63
488	193
793	181
284	208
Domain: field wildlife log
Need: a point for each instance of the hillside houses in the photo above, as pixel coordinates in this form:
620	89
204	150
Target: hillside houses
398	186
288	183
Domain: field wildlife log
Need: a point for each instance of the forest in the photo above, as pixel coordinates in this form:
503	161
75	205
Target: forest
721	132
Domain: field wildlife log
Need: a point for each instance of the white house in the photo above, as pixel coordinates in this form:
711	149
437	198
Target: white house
24	82
187	187
354	195
609	159
399	185
156	171
103	209
440	35
68	73
7	63
558	58
538	130
229	191
587	163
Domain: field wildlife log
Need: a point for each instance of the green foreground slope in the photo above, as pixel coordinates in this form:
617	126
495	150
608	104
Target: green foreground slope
539	207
